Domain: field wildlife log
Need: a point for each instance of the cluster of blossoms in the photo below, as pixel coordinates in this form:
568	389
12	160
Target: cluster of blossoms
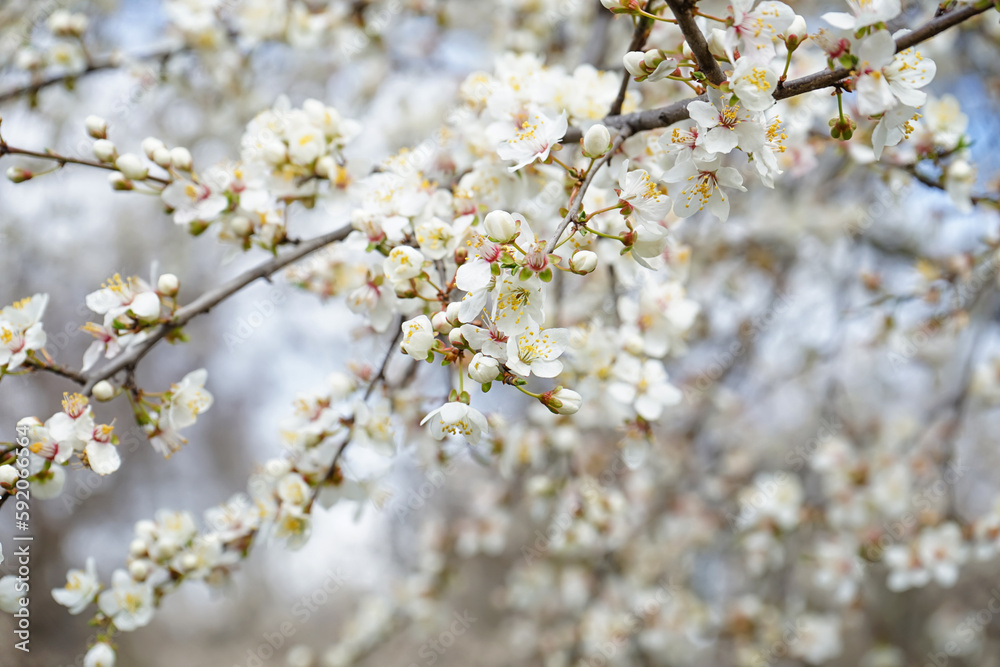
461	249
64	50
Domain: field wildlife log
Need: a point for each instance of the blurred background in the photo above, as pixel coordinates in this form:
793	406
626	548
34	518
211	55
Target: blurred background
790	277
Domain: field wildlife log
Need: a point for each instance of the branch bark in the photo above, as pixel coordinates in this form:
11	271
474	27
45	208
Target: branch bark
696	41
651	119
64	160
209	300
643	26
112	61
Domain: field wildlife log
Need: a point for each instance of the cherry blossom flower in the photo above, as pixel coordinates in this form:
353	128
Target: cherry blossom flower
754	84
725	129
864	13
193	202
119	297
702	187
537	351
641	197
100	655
457	419
21	330
756	29
128	603
80	590
535	136
418	337
885	76
643	385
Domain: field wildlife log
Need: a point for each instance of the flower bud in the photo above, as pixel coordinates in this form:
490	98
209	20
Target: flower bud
440	322
119	182
798	29
483	369
634	62
105	151
100	655
133	168
97	127
104	391
325	166
180	157
18	175
149	146
596	141
717	43
241	225
452	312
138	570
456	337
168	284
583	262
78	24
137	547
562	401
275	152
161	156
8	476
500	226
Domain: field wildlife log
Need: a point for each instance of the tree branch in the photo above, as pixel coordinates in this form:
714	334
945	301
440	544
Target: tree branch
112	61
642	29
64	160
209	300
651	119
696	40
577	201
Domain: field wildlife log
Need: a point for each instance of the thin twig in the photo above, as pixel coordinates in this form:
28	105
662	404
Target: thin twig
109	62
69	373
210	299
577	202
643	26
64	160
673	113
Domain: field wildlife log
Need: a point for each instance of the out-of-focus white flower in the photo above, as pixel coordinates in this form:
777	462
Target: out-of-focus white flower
533	139
864	13
81	588
457	419
128	603
99	655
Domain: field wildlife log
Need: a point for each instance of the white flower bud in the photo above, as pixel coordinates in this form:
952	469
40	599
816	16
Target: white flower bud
60	22
500	226
18	175
341	385
150	145
161	156
78	24
798	28
180	157
452	312
562	401
652	58
634	62
456	337
133	168
596	141
105	151
104	391
168	284
119	182
138	570
137	547
100	655
583	262
28	58
717	43
97	127
8	476
686	51
483	369
440	322
189	561
275	152
241	225
326	166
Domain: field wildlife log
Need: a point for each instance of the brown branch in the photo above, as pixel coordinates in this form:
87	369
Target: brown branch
696	40
643	26
64	160
577	201
109	62
209	300
912	170
651	119
69	373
